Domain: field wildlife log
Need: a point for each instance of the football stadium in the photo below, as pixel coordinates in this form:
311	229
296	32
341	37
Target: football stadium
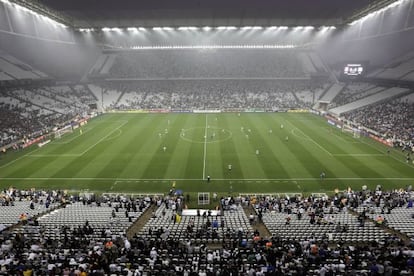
206	138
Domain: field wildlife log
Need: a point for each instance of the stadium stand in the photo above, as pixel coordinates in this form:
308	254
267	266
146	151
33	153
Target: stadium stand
14	69
400	68
102	65
209	94
372	99
353	92
391	119
32	112
332	92
88	234
201	226
222	63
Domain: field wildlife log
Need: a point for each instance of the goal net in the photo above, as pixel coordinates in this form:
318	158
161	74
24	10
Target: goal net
60	132
355	132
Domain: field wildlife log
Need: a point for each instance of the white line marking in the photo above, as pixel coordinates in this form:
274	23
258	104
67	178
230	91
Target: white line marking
205	150
54	155
401	161
344	139
17	159
309	138
116	136
73	138
71	154
103	138
196	179
358	154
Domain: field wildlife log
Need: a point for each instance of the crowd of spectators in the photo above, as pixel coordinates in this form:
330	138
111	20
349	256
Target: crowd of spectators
34	112
73	254
208	63
214	94
393	120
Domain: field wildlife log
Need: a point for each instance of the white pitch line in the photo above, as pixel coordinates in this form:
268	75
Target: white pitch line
54	155
205	150
73	138
390	155
103	138
343	139
358	154
17	159
310	139
196	179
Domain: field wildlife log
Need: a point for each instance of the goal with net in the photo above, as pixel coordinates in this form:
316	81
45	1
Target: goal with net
60	132
354	131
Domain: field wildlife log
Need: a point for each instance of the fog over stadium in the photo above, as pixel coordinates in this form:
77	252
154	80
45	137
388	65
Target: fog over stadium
221	137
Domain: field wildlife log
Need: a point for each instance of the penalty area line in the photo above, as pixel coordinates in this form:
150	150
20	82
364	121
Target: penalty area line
17	159
309	138
103	138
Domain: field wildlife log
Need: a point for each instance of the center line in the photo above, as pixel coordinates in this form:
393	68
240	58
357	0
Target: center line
205	150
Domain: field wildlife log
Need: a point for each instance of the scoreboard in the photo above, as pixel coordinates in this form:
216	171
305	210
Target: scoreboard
354	69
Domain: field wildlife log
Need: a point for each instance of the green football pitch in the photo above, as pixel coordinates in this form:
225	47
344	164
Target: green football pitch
146	153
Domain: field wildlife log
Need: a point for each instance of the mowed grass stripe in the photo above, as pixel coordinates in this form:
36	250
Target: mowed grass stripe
215	168
292	157
312	159
332	166
121	151
248	144
59	167
271	163
45	166
194	134
120	154
180	158
284	152
129	155
147	146
359	166
232	149
152	160
100	156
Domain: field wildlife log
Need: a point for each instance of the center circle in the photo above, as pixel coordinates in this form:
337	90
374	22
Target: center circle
205	135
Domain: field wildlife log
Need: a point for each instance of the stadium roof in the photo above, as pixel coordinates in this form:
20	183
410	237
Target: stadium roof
99	13
174	13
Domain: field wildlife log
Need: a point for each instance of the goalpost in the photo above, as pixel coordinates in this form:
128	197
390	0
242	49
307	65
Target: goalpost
354	131
62	131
